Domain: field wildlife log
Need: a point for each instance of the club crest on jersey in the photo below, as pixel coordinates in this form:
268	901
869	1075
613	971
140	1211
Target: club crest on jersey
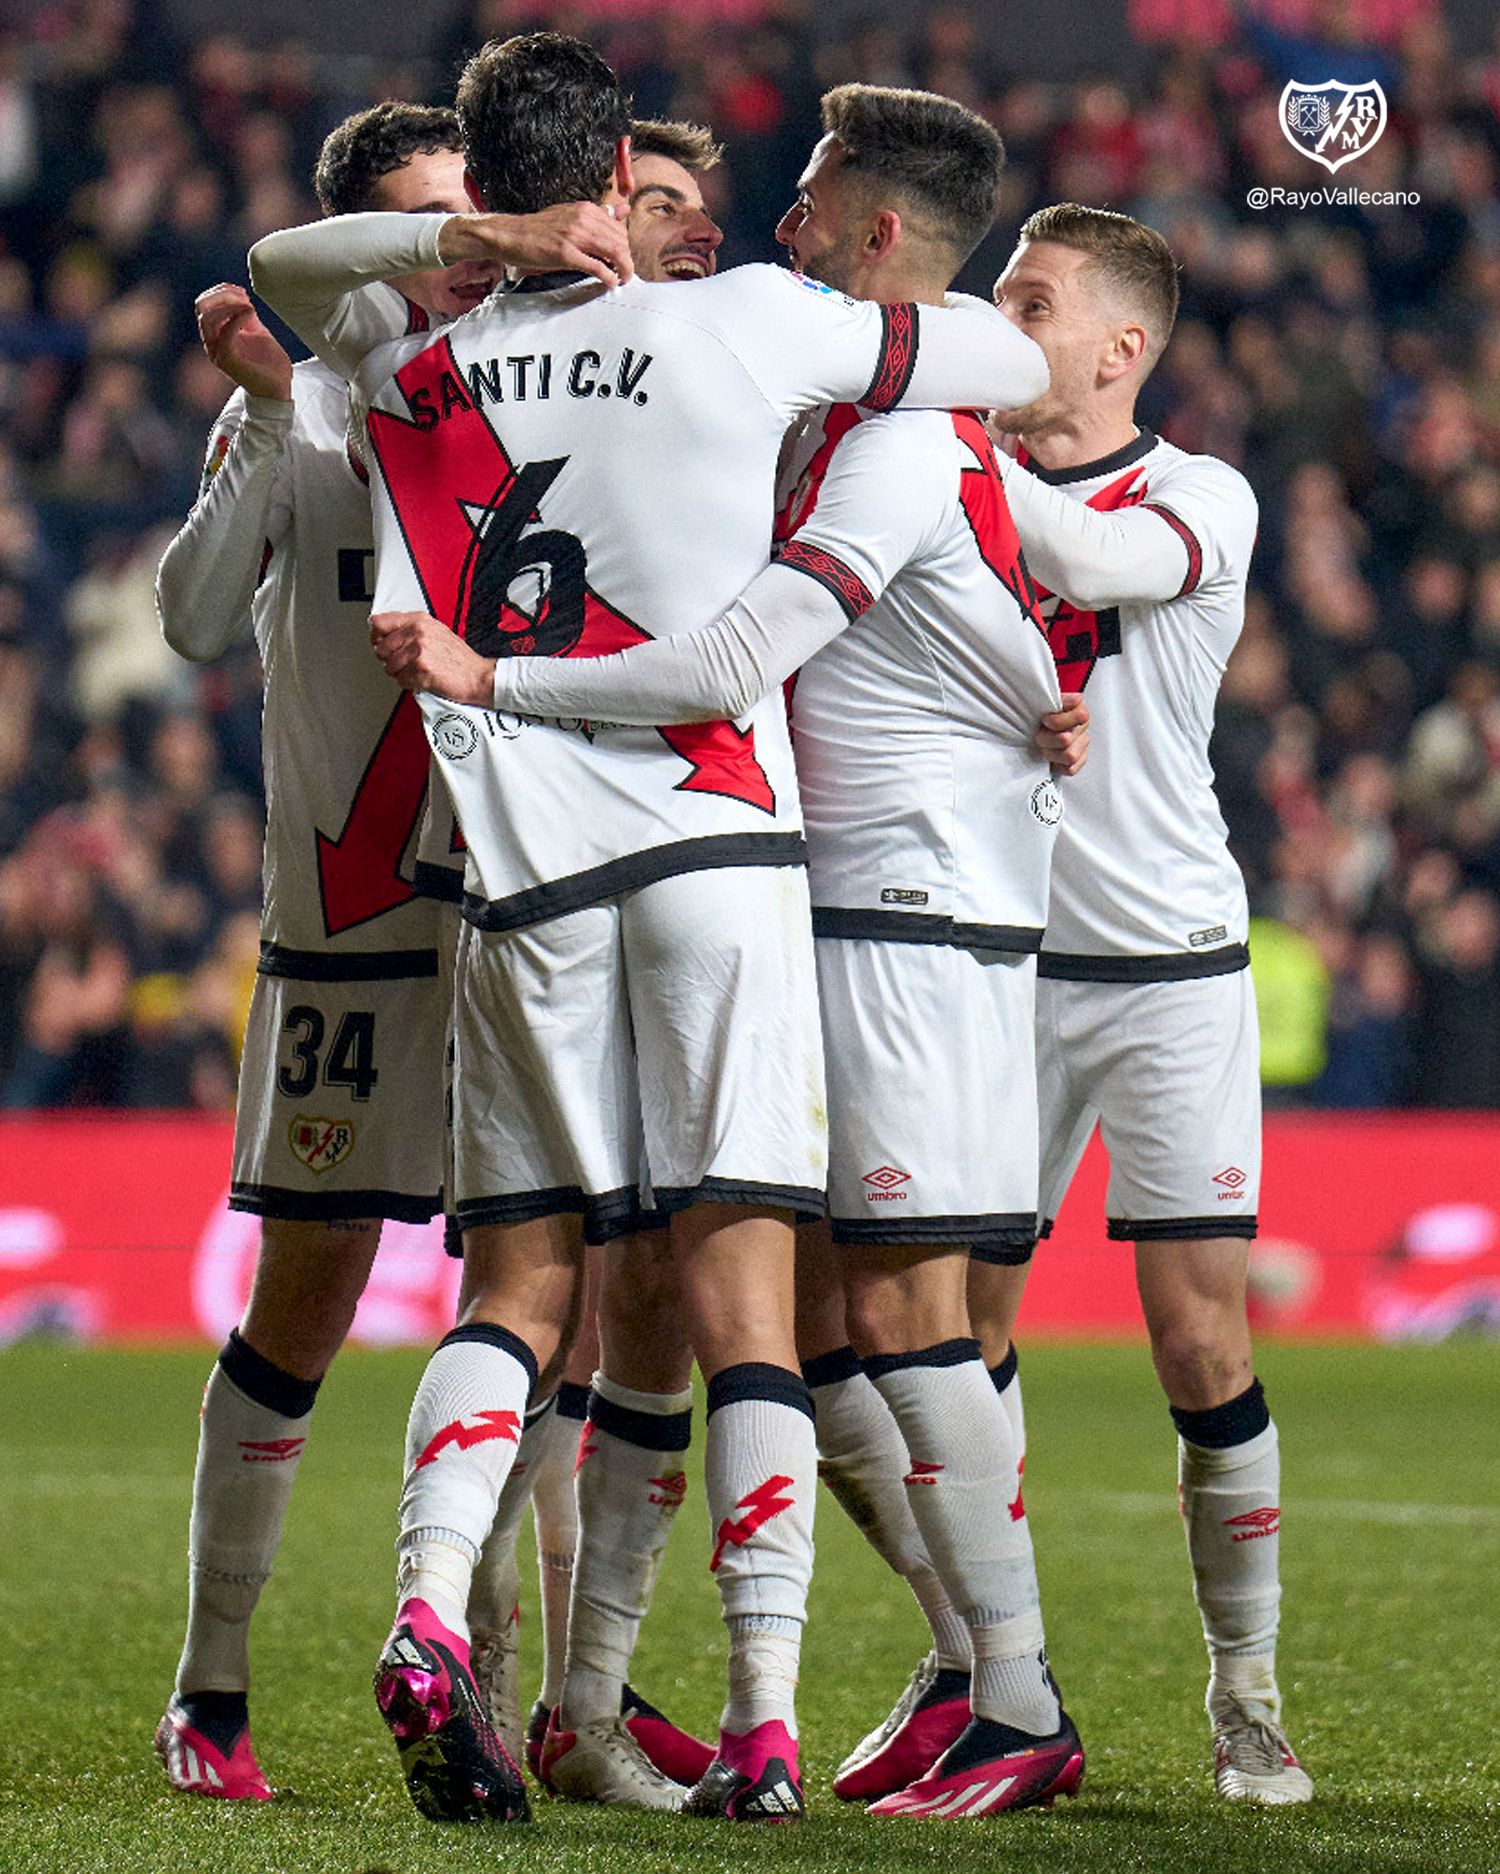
1046	803
320	1144
454	736
1333	122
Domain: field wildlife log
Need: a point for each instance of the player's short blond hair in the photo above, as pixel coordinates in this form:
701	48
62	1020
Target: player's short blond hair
1133	258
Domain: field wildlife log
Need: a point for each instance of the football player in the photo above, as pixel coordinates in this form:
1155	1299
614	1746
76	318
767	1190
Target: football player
636	973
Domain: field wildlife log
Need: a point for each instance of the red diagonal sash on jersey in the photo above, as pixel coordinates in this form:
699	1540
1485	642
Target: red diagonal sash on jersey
1080	639
981	490
358	875
443	465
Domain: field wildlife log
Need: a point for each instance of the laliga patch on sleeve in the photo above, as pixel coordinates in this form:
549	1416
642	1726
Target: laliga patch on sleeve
819	286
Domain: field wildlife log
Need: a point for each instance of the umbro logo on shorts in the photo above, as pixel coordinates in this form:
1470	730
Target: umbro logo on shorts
1232	1179
886	1177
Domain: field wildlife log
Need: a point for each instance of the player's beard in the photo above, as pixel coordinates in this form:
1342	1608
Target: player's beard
835	267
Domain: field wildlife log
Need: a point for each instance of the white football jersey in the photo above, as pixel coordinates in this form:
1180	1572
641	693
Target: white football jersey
930	812
565	472
346	759
1143	885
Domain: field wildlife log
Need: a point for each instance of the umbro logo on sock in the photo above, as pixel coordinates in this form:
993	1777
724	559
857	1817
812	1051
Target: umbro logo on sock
270	1450
669	1491
921	1473
1263	1522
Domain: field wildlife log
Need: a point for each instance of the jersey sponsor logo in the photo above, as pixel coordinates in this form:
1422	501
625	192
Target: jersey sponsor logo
669	1492
318	1143
922	1472
897	894
475	1428
1046	803
1201	939
508	584
760	1505
1079	639
454	736
1332	123
1254	1523
359	874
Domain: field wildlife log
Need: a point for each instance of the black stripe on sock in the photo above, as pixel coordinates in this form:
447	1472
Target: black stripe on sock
651	1431
945	1353
1005	1372
490	1334
263	1381
758	1379
572	1401
827	1369
1232	1423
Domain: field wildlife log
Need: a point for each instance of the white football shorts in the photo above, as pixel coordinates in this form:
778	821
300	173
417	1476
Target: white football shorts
342	1087
1171	1073
655	1051
932	1110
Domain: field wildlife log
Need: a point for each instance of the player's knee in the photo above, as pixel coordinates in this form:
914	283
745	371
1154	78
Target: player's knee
1201	1361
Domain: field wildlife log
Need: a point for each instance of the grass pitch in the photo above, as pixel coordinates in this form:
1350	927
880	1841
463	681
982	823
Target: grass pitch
1390	1638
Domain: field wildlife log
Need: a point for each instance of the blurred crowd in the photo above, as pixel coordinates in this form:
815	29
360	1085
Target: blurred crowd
1346	358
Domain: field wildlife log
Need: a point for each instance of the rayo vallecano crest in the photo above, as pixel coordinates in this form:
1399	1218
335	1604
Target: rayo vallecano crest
1332	122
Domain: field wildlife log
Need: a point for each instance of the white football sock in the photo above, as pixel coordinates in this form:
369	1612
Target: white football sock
461	1438
862	1458
1007	1383
761	1473
1231	1510
495	1590
250	1439
554	1505
631	1485
962	1467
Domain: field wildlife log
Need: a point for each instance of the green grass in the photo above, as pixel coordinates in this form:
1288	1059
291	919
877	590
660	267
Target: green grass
1390	1654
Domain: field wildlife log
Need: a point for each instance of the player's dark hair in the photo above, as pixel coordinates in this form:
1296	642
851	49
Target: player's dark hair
688	144
541	116
932	154
371	144
1130	256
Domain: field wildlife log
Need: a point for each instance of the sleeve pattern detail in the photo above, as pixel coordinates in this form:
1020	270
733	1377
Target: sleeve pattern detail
854	596
1189	539
897	360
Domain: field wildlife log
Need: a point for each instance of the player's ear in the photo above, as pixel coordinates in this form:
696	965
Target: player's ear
624	176
471	189
883	235
1125	350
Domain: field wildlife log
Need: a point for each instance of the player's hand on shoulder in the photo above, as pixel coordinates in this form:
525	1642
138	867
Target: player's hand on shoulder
1063	735
421	653
240	345
573	237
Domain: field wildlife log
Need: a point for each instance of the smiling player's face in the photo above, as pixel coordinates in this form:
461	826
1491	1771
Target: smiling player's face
672	235
432	182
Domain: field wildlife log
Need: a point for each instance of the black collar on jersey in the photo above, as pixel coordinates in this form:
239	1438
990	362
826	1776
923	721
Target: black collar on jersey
550	282
1143	444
